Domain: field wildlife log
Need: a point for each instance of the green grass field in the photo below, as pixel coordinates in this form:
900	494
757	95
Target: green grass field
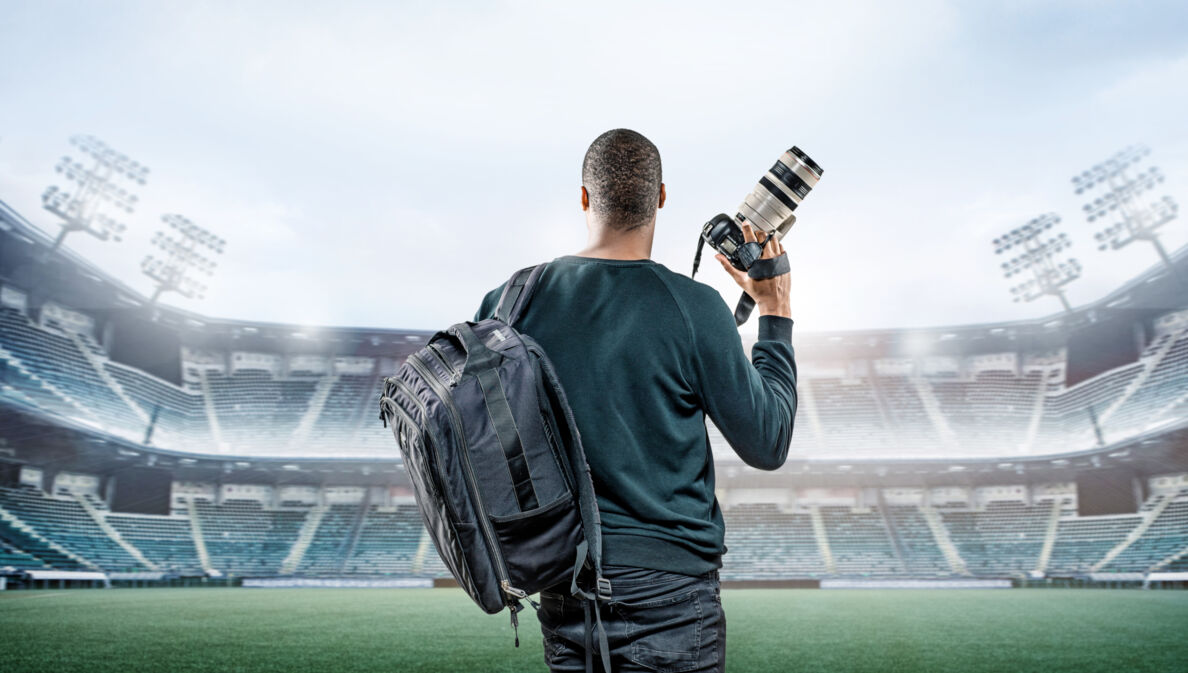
390	630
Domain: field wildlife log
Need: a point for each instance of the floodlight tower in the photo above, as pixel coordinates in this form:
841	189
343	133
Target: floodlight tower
1037	247
97	185
183	253
1124	184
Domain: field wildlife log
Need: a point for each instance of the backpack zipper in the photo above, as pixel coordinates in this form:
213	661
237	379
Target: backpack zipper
484	523
407	424
450	371
408	391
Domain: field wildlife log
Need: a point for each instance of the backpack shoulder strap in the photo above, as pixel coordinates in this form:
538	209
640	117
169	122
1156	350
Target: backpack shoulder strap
517	293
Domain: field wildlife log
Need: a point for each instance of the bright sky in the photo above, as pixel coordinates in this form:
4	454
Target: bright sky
384	164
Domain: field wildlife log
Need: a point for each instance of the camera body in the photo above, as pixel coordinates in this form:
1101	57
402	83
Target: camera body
724	234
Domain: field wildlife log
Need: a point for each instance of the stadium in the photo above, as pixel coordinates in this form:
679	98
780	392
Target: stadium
146	446
206	465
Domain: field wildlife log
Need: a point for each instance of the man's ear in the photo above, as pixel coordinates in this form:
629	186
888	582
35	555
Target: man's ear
585	199
662	195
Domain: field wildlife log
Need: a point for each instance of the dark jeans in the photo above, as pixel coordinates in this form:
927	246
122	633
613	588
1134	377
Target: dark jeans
656	621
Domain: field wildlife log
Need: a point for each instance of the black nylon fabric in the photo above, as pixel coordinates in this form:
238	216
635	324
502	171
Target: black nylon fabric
500	479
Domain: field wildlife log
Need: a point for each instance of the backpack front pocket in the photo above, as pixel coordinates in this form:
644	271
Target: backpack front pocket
539	545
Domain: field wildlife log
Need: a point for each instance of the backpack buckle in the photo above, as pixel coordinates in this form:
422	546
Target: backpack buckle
603	589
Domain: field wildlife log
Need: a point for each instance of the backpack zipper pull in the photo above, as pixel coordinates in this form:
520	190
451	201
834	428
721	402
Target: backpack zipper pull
512	591
515	620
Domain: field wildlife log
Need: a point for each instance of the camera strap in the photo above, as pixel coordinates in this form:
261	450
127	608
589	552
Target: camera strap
697	256
762	269
770	267
742	310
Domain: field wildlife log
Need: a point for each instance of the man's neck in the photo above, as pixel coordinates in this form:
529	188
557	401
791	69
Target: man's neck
610	244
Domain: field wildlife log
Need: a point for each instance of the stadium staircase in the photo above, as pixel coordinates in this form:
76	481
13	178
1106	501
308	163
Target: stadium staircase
1182	554
199	540
97	364
212	416
423	547
1148	519
1045	556
317	402
941	534
1037	411
810	406
892	532
42	547
114	534
822	540
356	530
1166	409
881	407
1151	364
935	415
363	416
313	519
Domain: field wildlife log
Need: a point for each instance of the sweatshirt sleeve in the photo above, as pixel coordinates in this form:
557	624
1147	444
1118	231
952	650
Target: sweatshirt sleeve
490	301
753	402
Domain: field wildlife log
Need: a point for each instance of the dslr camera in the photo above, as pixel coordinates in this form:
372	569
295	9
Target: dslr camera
769	209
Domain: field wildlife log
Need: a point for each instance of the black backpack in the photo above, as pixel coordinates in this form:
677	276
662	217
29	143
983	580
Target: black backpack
496	461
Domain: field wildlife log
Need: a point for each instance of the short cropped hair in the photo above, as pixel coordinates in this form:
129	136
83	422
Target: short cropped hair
621	173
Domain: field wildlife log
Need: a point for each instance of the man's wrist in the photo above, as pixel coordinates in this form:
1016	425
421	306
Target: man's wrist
778	309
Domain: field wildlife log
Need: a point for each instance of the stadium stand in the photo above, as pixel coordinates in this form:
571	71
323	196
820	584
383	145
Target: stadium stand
256	411
849	415
244	538
922	555
245	396
267	411
11	557
180	415
165	540
64	521
1166	378
1002	540
344	410
1082	541
388	542
327	551
860	542
52	356
767	543
990	413
1166	534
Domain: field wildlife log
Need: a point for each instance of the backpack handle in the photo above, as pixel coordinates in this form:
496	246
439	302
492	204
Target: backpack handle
477	353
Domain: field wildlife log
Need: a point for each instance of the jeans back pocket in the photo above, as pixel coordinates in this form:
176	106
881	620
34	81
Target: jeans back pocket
665	633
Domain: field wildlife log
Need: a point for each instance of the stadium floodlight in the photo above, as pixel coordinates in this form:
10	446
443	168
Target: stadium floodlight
96	186
1124	184
1037	247
183	253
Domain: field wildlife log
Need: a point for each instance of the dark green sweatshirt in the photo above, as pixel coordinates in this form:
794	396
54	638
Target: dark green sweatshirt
644	354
